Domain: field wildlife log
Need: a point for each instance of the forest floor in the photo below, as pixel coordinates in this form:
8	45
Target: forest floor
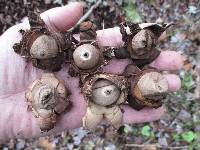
179	128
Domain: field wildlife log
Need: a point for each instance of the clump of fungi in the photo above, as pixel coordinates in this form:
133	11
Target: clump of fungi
141	87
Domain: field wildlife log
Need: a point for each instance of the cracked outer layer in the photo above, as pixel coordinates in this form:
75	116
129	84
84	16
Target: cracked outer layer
87	31
140	41
47	98
45	49
110	112
148	87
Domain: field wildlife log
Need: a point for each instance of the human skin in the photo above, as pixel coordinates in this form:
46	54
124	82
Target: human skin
16	75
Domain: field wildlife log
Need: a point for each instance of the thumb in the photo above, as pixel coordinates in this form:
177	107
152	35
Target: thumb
63	18
15	73
17	122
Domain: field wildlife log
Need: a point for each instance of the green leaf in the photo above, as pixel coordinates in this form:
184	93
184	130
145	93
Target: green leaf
126	130
132	13
191	147
89	146
189	136
176	137
188	82
146	131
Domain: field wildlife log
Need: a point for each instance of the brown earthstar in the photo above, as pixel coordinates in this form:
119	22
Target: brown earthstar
47	97
148	87
104	93
140	42
88	58
44	48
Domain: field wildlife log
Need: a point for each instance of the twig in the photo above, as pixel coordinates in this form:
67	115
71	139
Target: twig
87	14
156	145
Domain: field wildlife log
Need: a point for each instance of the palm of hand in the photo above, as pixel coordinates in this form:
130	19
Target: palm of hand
16	75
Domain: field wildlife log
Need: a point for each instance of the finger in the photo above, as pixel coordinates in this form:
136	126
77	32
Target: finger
162	36
109	37
167	60
117	66
63	18
113	37
22	124
174	82
145	115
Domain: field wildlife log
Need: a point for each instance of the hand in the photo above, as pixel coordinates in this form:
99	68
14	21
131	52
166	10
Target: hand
16	75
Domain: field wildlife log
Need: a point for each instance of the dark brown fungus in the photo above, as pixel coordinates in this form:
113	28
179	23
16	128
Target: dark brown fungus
140	42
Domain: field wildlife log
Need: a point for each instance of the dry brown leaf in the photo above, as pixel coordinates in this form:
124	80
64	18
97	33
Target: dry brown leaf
45	144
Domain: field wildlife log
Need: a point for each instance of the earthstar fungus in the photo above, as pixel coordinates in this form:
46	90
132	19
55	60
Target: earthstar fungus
148	87
44	48
104	93
47	97
140	42
87	57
